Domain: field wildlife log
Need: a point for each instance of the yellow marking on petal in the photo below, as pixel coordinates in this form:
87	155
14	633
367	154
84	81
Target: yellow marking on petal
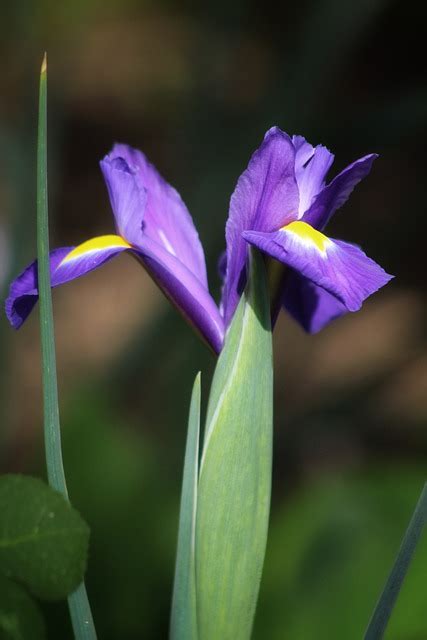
308	234
96	244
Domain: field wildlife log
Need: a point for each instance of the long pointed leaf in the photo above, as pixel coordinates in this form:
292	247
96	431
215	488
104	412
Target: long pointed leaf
50	385
385	605
80	612
235	475
183	619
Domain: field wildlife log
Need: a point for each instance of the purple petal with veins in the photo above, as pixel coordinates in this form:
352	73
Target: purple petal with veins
340	268
166	218
337	192
311	306
265	198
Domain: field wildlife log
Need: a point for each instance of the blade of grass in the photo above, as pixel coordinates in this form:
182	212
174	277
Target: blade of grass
385	605
81	616
183	618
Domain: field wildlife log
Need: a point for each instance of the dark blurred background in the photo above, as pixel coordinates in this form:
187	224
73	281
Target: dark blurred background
195	85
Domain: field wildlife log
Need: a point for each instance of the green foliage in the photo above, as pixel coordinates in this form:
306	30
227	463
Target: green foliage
20	618
329	553
43	540
80	612
130	489
393	585
235	474
183	618
52	430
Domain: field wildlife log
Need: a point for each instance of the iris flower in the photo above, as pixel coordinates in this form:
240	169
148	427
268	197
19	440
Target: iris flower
281	205
153	224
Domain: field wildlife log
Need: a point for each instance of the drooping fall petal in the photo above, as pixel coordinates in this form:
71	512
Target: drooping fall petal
310	305
67	263
179	284
340	268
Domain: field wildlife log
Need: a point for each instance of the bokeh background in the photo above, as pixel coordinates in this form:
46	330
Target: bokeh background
195	85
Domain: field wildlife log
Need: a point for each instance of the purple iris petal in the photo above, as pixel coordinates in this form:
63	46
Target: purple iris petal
340	268
311	306
153	224
179	284
23	293
303	152
128	198
279	205
166	218
222	265
325	278
265	198
166	239
337	192
185	291
311	178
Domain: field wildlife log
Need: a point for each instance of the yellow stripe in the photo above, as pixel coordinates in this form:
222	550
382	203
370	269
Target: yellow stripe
308	234
96	244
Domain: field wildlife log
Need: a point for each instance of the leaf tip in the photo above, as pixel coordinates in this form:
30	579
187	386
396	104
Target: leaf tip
44	64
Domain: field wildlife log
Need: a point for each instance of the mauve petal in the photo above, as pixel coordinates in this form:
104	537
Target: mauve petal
185	291
128	199
265	198
166	218
23	293
312	178
339	267
303	152
337	192
311	306
222	265
179	284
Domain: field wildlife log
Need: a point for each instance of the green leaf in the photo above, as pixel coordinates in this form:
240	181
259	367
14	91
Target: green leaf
43	540
387	601
55	470
20	618
235	475
183	619
80	612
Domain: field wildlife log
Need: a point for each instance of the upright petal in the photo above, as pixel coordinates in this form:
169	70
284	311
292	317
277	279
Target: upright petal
311	306
337	192
128	198
265	198
311	178
67	263
166	218
340	268
303	152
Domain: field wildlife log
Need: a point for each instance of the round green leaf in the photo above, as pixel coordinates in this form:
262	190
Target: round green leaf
20	618
43	540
